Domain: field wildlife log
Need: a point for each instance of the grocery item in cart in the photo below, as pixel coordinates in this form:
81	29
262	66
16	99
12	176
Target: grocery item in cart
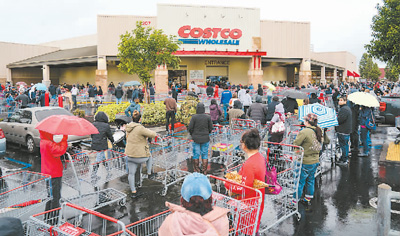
235	177
222	147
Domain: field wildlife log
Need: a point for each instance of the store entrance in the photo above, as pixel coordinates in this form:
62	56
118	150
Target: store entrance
217	75
178	78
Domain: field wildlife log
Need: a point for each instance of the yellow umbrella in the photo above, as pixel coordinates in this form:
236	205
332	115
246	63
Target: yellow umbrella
270	86
364	99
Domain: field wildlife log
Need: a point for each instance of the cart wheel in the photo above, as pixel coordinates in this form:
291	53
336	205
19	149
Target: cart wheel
122	202
164	191
298	216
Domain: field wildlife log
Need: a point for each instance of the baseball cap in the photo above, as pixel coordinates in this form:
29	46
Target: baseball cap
196	184
311	117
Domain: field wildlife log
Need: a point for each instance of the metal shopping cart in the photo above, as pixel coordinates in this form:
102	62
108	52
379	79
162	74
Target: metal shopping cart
22	192
168	153
83	172
287	159
67	221
243	212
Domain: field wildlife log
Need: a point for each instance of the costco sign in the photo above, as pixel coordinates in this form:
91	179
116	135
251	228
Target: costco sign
209	35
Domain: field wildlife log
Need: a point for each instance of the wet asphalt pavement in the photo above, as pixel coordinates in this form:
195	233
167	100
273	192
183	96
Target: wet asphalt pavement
341	205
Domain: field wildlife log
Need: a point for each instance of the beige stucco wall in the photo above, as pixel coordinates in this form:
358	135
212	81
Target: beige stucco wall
342	59
80	75
13	52
274	73
285	39
117	76
109	29
76	42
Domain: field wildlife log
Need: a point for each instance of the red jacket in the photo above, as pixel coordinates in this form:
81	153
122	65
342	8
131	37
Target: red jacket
50	152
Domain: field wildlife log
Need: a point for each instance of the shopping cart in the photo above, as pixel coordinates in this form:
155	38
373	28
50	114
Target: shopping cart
287	159
68	221
243	124
22	192
243	212
225	141
82	172
168	153
8	164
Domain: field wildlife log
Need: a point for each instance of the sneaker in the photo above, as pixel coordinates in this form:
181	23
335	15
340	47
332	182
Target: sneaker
136	195
342	163
152	176
306	201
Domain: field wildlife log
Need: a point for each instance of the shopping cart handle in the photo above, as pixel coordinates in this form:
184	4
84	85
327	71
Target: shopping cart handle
98	214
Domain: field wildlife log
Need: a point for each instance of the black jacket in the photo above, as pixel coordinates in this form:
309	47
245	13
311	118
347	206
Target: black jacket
257	111
200	125
271	110
314	100
119	92
175	94
210	90
52	89
260	91
91	92
290	105
99	141
355	110
345	120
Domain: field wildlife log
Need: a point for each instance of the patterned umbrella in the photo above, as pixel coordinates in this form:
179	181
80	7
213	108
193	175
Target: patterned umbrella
40	86
131	83
326	116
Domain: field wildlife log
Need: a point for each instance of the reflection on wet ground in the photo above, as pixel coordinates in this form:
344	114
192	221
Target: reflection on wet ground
340	207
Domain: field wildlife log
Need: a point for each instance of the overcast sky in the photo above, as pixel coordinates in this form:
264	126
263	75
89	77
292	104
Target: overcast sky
339	25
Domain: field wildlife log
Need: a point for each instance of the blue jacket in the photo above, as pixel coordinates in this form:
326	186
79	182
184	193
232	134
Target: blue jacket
135	94
226	96
129	111
364	115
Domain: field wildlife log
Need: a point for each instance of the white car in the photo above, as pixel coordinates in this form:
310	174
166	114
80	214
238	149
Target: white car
20	127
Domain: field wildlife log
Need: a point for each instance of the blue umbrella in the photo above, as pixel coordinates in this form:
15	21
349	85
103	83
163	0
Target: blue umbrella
326	116
40	86
132	83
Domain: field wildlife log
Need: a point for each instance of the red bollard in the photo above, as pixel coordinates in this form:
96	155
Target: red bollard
46	99
60	101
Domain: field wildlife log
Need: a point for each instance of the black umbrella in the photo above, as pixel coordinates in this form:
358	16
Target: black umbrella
295	94
309	90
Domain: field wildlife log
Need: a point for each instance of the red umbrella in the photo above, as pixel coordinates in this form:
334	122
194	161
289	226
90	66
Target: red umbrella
66	125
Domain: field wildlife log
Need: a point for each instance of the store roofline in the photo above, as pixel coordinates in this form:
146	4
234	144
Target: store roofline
220	53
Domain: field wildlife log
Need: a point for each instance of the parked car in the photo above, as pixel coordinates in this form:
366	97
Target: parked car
20	127
2	143
389	109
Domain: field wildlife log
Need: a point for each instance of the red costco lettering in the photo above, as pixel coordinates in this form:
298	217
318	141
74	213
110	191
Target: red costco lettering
197	32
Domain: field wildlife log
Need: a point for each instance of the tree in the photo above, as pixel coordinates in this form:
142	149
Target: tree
142	50
368	68
386	33
392	72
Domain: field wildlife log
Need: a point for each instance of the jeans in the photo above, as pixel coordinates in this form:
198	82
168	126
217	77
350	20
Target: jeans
200	149
355	139
133	163
269	97
344	145
118	100
74	100
364	133
56	193
152	98
307	180
101	156
226	105
170	116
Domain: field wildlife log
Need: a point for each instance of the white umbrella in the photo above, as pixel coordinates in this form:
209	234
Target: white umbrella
270	86
363	99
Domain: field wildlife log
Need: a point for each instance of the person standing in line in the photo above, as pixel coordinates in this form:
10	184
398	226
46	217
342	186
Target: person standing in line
74	93
279	115
209	90
310	138
100	94
129	93
92	95
216	91
152	93
225	98
253	168
67	100
23	98
260	90
246	101
200	128
215	112
257	111
366	115
119	93
236	112
99	141
174	93
271	108
170	105
354	135
137	150
135	93
241	93
50	152
344	129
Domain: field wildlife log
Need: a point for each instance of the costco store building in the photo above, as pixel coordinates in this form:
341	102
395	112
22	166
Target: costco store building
217	43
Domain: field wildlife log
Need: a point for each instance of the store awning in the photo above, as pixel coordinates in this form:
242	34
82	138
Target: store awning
61	57
349	73
355	74
220	53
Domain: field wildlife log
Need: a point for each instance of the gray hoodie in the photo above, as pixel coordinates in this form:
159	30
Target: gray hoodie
278	108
